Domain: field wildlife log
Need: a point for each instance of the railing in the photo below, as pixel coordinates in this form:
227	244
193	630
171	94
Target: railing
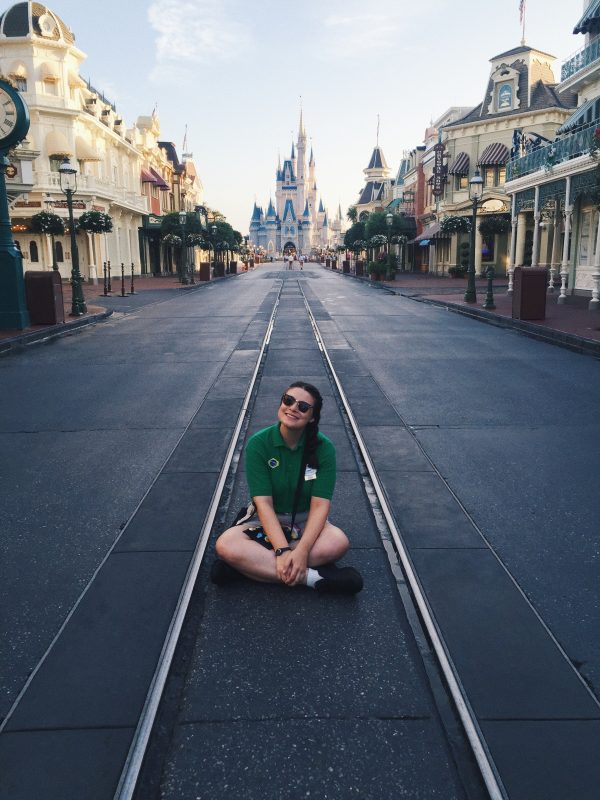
573	145
582	59
98	186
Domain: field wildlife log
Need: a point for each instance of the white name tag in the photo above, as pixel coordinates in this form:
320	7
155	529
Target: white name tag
310	474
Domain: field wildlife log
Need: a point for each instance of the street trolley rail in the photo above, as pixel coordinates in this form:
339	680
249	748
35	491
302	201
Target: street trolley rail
129	787
470	765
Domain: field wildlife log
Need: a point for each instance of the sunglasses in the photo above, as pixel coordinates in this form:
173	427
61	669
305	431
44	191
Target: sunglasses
289	401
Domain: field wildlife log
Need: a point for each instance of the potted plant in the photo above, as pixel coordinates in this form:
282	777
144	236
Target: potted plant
494	223
457	271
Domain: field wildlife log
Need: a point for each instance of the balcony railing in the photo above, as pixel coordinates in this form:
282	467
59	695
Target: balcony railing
98	186
582	59
573	145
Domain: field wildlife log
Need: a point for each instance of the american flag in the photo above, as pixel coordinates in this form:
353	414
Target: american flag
521	10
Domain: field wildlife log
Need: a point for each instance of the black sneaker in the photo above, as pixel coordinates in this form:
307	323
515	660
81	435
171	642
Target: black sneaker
338	580
222	573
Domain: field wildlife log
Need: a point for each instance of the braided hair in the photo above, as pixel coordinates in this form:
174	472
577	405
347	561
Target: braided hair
311	441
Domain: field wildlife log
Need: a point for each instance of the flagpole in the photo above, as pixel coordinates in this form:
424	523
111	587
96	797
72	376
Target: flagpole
523	10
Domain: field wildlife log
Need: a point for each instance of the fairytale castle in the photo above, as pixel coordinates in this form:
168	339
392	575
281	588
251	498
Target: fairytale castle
296	222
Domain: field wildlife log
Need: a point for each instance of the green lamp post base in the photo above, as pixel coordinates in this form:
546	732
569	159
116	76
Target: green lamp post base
13	307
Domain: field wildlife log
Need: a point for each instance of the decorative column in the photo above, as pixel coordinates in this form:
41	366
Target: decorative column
478	246
521	230
554	261
513	245
535	254
564	268
594	304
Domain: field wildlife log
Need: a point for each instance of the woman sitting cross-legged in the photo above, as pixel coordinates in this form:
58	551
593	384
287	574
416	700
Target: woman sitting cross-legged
273	544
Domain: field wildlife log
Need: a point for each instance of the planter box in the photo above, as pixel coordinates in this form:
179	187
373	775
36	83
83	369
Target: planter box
204	271
360	268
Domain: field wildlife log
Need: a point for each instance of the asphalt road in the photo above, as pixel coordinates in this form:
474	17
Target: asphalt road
509	426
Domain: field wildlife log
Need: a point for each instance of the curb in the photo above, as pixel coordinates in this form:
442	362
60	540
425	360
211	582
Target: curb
570	341
35	337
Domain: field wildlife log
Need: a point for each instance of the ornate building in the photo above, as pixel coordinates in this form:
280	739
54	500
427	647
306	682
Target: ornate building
295	223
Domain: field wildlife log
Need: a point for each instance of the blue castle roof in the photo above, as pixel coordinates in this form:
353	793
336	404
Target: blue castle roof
271	210
306	211
288	211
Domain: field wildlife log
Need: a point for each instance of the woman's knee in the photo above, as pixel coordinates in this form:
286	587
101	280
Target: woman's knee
225	544
331	545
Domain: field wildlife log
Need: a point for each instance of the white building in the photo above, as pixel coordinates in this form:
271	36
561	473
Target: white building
69	118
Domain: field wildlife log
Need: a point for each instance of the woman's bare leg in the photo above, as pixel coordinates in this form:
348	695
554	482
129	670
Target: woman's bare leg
256	562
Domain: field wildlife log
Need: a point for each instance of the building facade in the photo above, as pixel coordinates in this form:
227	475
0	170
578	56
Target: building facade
555	188
71	119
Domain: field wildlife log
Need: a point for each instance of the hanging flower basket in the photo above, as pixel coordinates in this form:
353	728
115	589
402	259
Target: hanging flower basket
455	224
46	222
95	222
494	223
172	240
378	240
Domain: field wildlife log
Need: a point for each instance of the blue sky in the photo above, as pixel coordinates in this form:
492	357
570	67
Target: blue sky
234	71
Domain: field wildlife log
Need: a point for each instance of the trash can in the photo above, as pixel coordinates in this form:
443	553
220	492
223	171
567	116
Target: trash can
360	268
44	296
346	267
233	267
204	271
529	293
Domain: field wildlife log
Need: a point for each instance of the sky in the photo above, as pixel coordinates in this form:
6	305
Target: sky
236	72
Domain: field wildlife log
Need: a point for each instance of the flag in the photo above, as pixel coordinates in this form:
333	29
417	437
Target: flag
521	10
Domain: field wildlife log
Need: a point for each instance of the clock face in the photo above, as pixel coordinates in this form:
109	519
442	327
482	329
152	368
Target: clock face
14	117
8	114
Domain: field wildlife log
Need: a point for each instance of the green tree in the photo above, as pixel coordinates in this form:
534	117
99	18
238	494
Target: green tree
355	232
352	214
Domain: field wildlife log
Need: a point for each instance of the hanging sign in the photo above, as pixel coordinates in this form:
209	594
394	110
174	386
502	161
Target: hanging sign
439	170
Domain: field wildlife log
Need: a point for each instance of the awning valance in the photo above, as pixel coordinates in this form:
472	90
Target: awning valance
591	16
495	154
430	232
49	72
585	114
147	176
57	145
18	70
460	165
160	182
84	151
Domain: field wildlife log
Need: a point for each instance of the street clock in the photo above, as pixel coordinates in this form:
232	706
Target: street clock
14	117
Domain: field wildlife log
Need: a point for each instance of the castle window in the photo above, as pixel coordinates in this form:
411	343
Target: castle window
33	251
60	256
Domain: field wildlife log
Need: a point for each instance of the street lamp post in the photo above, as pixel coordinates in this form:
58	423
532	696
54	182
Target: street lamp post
389	218
68	185
475	192
183	272
49	209
213	229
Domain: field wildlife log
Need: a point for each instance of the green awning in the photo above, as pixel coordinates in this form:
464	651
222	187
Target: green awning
590	19
584	115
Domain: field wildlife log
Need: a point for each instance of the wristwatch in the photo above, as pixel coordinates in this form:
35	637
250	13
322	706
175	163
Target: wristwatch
281	550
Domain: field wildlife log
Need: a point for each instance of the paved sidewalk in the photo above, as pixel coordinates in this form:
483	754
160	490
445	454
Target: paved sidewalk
570	325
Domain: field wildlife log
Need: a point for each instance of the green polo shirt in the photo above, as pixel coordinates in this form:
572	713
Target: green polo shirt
272	470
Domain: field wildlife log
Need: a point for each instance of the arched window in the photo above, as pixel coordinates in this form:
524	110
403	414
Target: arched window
33	251
59	251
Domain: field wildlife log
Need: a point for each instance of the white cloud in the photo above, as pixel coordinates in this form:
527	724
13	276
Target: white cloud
194	32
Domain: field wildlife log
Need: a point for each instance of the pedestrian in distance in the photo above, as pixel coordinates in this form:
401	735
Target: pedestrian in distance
285	536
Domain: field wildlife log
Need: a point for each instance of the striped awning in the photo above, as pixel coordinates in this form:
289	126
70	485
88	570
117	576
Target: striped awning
585	114
460	165
591	15
495	154
160	182
57	145
431	232
147	176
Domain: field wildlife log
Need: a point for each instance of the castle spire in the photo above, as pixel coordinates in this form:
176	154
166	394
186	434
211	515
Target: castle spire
301	131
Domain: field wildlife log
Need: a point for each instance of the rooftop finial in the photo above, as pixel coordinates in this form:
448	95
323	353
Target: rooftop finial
377	130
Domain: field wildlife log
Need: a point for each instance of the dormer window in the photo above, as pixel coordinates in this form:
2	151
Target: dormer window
504	100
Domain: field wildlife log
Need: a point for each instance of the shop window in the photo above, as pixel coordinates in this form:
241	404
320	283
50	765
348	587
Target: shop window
461	182
487	250
55	162
21	84
501	176
33	252
489	176
60	256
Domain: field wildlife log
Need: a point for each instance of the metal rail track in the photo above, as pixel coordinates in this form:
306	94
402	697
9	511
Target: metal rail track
133	765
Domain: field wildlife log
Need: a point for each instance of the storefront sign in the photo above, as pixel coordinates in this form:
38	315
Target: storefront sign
439	170
78	204
28	204
493	205
152	221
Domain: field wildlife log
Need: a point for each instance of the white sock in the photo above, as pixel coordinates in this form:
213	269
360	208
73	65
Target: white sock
312	576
